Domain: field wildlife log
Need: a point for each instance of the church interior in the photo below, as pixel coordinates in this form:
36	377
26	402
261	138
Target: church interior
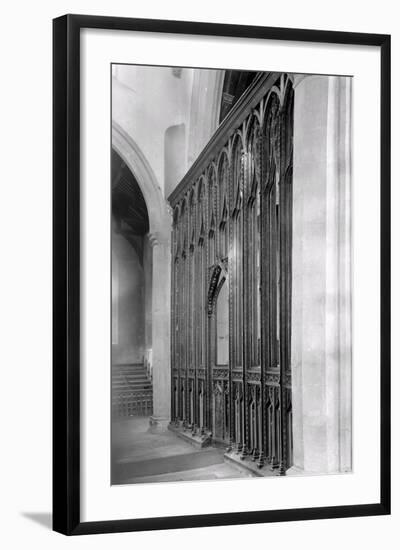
231	274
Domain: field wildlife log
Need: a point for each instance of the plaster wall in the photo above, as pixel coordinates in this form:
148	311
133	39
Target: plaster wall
321	284
129	326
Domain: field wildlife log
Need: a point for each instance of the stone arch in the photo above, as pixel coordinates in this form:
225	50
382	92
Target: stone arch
160	216
160	225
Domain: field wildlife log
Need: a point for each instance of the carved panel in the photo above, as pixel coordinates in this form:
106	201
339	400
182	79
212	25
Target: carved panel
232	222
220	373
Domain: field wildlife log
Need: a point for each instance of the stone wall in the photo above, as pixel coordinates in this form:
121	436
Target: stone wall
321	286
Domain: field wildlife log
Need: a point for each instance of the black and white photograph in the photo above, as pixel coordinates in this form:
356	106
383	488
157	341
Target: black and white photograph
231	274
200	257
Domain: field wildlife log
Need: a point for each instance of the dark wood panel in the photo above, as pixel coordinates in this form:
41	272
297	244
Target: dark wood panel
232	225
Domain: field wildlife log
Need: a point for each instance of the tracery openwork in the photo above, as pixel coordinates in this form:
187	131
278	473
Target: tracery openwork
231	283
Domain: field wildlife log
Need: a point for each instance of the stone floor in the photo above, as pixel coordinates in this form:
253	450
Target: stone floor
139	456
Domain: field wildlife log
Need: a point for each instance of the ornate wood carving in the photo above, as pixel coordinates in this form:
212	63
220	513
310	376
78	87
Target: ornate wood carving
232	225
220	373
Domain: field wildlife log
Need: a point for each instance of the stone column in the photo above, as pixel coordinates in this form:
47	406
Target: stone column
321	285
161	311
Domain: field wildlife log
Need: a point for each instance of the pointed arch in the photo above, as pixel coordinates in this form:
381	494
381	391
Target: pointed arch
160	217
160	224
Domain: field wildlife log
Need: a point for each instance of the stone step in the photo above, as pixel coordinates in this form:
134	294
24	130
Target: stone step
138	372
124	368
132	396
144	383
128	377
132	392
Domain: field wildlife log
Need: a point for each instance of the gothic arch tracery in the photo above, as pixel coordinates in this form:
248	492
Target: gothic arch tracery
242	215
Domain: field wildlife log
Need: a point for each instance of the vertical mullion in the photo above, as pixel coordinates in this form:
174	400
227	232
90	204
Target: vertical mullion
264	302
173	362
245	301
231	309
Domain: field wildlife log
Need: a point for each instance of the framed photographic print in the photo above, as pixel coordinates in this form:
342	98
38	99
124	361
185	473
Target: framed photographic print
221	274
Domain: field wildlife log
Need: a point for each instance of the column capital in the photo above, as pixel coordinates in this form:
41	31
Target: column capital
169	209
156	238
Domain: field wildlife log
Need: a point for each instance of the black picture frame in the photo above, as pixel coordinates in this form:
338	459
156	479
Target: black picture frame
66	273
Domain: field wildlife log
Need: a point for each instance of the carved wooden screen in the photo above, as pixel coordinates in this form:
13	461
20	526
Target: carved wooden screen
232	238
